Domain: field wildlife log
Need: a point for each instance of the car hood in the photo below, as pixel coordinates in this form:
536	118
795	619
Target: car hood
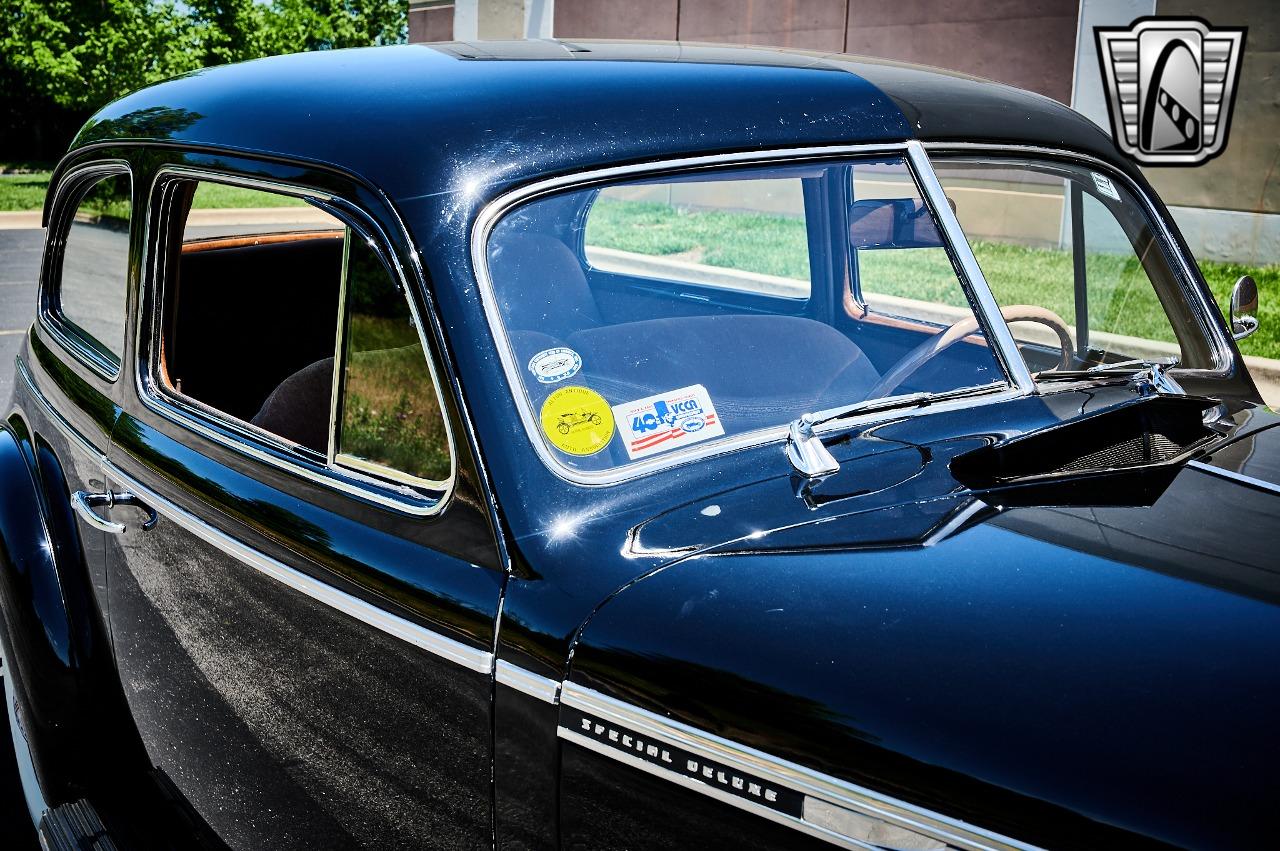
1065	672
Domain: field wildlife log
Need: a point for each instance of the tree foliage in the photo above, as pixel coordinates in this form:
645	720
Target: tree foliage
60	60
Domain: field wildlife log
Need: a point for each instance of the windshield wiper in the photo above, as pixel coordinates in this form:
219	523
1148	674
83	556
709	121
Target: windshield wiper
1151	375
810	457
1100	370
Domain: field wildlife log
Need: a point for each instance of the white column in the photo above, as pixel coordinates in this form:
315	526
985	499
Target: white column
1087	95
538	17
466	20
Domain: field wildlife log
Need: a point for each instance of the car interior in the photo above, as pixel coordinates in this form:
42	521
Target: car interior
249	324
756	354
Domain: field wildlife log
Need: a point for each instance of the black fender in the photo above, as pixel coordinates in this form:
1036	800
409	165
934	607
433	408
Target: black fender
56	649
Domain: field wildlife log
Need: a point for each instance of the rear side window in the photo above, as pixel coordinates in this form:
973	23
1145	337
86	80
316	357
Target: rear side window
277	315
89	299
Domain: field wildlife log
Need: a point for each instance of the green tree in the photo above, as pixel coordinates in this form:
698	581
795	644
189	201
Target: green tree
60	60
299	25
228	30
80	54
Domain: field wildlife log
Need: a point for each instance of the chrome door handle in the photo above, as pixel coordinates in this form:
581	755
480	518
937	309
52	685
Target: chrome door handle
85	503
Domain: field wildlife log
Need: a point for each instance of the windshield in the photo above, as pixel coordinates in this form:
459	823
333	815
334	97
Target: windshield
653	318
1072	258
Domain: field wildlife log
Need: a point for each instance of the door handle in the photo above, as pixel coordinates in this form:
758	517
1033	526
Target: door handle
85	503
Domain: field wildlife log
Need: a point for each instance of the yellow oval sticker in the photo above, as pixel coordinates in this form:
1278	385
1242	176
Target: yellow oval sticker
577	420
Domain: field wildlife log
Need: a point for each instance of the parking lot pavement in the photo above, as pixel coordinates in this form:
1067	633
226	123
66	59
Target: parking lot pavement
19	267
15	825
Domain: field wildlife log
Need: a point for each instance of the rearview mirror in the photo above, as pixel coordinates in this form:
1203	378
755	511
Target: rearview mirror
892	223
1244	307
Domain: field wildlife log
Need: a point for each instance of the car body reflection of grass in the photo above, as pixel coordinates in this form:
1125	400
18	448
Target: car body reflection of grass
390	412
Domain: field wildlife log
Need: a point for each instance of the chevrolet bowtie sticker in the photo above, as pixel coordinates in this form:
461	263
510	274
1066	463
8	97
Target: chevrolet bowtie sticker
1170	86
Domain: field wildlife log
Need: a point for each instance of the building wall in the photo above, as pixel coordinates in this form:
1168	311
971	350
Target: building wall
431	21
1246	176
1026	43
1228	208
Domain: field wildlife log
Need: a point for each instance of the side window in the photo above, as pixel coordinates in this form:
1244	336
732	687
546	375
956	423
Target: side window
741	234
89	299
901	268
390	414
255	328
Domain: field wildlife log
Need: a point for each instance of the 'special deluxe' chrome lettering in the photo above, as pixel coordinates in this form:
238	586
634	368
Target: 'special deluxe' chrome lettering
680	762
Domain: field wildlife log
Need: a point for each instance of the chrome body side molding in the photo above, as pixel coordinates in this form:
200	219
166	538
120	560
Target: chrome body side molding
842	813
548	691
471	658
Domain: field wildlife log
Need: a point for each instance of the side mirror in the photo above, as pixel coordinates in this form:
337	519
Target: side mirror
1244	307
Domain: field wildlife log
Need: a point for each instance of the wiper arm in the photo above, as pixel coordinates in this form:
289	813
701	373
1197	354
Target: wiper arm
1163	363
1150	375
1099	370
809	456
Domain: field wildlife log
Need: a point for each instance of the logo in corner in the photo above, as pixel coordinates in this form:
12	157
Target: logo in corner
1171	83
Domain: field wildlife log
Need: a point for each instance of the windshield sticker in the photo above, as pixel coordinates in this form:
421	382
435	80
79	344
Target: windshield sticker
577	420
1105	186
552	365
667	421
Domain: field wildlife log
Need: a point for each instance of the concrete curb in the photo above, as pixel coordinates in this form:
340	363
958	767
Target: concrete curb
30	219
23	220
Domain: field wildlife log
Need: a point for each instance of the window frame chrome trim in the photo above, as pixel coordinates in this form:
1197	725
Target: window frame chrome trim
1233	476
48	299
1206	311
421	500
442	646
987	310
494	210
812	784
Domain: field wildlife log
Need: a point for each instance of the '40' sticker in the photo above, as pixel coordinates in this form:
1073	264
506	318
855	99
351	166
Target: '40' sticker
667	421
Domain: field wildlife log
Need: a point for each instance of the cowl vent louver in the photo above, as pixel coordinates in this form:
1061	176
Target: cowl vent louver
1144	434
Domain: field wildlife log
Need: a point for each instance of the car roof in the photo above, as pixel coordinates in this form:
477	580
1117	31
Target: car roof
416	120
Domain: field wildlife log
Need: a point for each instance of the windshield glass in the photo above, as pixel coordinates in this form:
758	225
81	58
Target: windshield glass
657	317
1072	259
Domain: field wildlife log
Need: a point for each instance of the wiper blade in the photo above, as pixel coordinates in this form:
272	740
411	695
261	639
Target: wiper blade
1141	363
890	403
1101	370
808	454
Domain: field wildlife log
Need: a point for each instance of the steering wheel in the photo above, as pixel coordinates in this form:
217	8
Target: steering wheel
944	340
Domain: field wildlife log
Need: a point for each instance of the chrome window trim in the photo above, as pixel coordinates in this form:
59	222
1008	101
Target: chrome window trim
527	682
494	210
1233	476
243	437
987	310
814	785
449	649
1206	311
48	299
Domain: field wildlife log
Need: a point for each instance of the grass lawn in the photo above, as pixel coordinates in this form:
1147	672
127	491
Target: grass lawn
1122	300
26	192
23	191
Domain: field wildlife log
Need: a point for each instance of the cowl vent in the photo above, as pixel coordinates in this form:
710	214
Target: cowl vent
1147	433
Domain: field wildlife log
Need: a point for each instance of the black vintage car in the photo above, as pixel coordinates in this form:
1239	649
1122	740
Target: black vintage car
594	445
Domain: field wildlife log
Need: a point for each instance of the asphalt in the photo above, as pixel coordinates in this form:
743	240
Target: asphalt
19	266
